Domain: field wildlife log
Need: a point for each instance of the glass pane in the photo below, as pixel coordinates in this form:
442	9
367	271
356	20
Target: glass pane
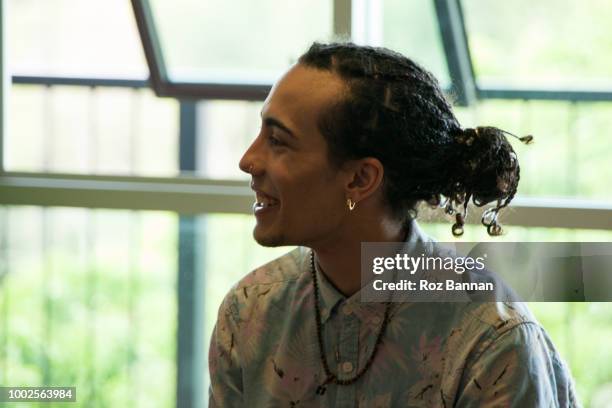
409	27
237	41
564	321
512	233
88	299
570	153
574	149
227	264
91	131
560	43
590	356
74	38
225	131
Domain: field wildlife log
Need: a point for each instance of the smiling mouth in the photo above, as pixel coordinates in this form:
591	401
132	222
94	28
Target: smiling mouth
263	201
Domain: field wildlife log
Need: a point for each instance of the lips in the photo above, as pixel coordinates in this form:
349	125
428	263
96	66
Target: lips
264	201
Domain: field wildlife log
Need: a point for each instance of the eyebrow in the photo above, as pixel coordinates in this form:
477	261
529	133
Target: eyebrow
270	121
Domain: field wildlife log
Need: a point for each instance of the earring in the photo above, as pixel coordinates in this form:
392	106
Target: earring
351	204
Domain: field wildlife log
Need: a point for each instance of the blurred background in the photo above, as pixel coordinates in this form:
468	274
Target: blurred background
124	218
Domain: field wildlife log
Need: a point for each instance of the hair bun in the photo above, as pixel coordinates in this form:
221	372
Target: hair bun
487	170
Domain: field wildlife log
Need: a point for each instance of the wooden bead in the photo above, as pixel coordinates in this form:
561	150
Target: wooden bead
332	378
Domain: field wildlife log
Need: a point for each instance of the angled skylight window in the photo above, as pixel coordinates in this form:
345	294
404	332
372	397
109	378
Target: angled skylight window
219	41
548	44
93	38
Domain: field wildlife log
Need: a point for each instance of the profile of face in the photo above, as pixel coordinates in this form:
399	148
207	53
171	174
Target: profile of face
300	196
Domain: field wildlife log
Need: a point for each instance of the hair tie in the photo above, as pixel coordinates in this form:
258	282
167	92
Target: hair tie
525	139
468	135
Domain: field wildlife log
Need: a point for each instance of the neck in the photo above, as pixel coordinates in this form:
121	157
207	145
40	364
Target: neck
340	261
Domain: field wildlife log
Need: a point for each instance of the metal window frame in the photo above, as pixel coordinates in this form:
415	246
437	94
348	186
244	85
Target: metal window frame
488	92
182	195
164	86
190	357
79	81
342	14
190	196
456	50
4	81
161	82
451	11
451	23
193	195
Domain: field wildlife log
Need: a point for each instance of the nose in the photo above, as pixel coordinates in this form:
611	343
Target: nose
252	160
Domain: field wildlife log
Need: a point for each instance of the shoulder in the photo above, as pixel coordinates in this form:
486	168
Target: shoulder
501	352
515	361
485	323
469	324
268	284
474	328
285	268
499	317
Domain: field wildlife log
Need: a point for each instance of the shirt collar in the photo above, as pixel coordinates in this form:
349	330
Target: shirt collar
330	297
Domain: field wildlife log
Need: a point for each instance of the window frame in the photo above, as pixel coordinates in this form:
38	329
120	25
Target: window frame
190	195
454	35
176	193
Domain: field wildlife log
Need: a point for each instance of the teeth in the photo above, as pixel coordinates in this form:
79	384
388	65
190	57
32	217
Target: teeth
264	205
264	201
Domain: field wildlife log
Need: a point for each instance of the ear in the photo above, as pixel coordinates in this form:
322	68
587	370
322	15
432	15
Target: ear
365	178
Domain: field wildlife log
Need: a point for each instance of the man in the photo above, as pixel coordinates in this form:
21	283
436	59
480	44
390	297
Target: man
352	138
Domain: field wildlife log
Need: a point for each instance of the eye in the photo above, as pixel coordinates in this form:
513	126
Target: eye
274	141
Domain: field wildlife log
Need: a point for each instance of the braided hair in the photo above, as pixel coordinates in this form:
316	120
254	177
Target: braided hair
396	112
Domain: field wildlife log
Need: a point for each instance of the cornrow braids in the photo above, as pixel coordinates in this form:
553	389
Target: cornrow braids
396	112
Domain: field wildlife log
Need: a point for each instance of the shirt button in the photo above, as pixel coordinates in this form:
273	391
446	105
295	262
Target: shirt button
347	366
376	320
346	310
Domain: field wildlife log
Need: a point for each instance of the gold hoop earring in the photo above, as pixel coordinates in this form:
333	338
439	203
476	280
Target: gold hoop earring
351	204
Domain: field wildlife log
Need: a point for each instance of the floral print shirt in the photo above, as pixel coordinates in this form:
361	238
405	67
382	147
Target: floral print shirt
264	350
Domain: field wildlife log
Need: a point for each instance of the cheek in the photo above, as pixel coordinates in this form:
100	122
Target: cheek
311	190
318	199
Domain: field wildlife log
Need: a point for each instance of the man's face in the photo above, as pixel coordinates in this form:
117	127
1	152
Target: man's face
302	197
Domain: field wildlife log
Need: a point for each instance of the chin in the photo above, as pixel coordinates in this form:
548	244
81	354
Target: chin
269	239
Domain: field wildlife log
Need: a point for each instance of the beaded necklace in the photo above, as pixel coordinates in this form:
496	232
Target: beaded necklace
333	378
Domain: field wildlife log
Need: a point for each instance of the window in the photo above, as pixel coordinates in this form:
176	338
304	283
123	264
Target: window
91	130
79	39
568	43
114	200
255	43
